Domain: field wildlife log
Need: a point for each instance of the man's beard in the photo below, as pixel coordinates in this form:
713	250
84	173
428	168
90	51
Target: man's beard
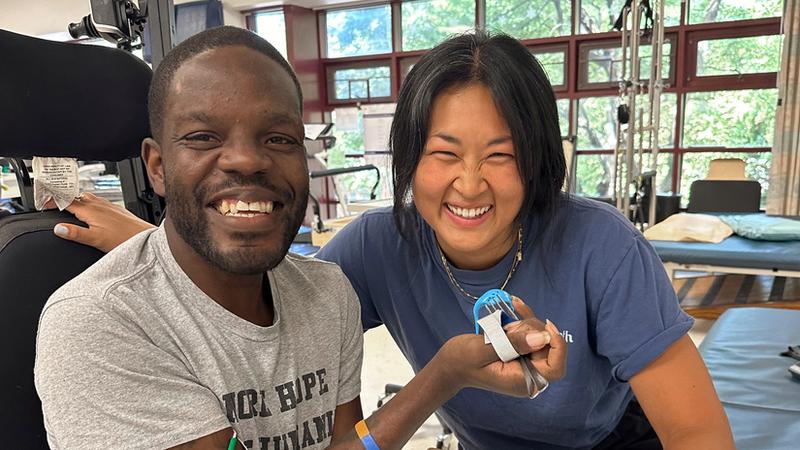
185	209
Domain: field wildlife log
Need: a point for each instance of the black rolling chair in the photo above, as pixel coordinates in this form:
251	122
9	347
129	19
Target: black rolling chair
728	196
58	99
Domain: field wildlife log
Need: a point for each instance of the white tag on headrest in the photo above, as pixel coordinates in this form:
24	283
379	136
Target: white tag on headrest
493	331
56	179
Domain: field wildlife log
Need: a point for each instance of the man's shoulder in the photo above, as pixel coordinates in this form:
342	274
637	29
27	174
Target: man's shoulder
304	269
314	283
124	265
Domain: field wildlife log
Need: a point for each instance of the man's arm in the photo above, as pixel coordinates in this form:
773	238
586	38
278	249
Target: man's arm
464	361
395	423
346	416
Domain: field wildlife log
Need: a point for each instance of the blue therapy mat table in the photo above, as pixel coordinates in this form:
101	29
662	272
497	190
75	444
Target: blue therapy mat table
762	400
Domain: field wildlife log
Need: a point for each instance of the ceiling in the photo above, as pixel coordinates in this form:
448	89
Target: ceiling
311	4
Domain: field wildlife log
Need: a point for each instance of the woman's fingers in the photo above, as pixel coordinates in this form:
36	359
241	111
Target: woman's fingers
109	224
72	232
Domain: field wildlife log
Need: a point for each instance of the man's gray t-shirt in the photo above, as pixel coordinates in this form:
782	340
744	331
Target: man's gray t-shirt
131	354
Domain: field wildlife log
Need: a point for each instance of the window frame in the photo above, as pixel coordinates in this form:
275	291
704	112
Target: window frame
685	17
554	48
583	62
330	77
680	80
403	66
743	81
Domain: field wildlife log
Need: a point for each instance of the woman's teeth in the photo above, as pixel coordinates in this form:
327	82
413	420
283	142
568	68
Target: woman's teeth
468	213
239	208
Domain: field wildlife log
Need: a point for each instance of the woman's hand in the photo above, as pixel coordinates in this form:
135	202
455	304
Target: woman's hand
109	224
469	362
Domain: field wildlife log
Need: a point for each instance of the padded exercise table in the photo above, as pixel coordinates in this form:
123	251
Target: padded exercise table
762	400
733	255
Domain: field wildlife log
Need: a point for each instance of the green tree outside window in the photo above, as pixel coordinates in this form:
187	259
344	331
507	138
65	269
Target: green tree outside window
528	19
427	22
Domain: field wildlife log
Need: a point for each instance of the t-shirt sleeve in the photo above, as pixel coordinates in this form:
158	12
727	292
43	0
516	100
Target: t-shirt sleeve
104	384
638	316
346	249
352	349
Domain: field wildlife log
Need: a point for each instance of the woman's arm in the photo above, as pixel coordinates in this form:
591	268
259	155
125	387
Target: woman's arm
678	397
109	224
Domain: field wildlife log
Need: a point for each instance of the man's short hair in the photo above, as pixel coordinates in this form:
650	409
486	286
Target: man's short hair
206	40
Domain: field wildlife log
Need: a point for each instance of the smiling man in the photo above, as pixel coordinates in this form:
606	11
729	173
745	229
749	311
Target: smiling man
205	325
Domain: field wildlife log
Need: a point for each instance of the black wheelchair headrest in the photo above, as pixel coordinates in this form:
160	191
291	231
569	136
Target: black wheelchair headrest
82	101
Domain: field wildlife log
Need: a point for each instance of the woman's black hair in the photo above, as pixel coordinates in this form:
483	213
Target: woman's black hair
523	96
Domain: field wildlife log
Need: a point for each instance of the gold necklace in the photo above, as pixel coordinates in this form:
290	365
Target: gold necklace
517	259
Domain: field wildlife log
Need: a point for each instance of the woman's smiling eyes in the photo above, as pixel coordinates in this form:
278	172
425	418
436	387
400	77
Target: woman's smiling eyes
443	153
452	155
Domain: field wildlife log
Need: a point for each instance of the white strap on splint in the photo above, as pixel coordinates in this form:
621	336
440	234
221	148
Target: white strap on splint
494	333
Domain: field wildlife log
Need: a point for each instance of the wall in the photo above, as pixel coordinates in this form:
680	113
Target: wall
232	16
36	18
302	32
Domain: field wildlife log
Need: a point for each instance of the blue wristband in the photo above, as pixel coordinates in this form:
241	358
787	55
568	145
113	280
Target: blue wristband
369	443
366	439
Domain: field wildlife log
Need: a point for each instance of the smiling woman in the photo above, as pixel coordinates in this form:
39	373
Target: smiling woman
490	138
467	185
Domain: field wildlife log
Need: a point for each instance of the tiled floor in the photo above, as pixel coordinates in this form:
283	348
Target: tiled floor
709	295
383	363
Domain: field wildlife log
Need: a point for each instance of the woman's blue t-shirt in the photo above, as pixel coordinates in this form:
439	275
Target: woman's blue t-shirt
594	276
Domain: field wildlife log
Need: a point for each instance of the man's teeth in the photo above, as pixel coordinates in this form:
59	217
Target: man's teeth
468	213
241	208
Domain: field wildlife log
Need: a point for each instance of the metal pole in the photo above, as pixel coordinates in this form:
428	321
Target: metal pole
141	199
617	171
633	89
656	86
161	24
627	174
